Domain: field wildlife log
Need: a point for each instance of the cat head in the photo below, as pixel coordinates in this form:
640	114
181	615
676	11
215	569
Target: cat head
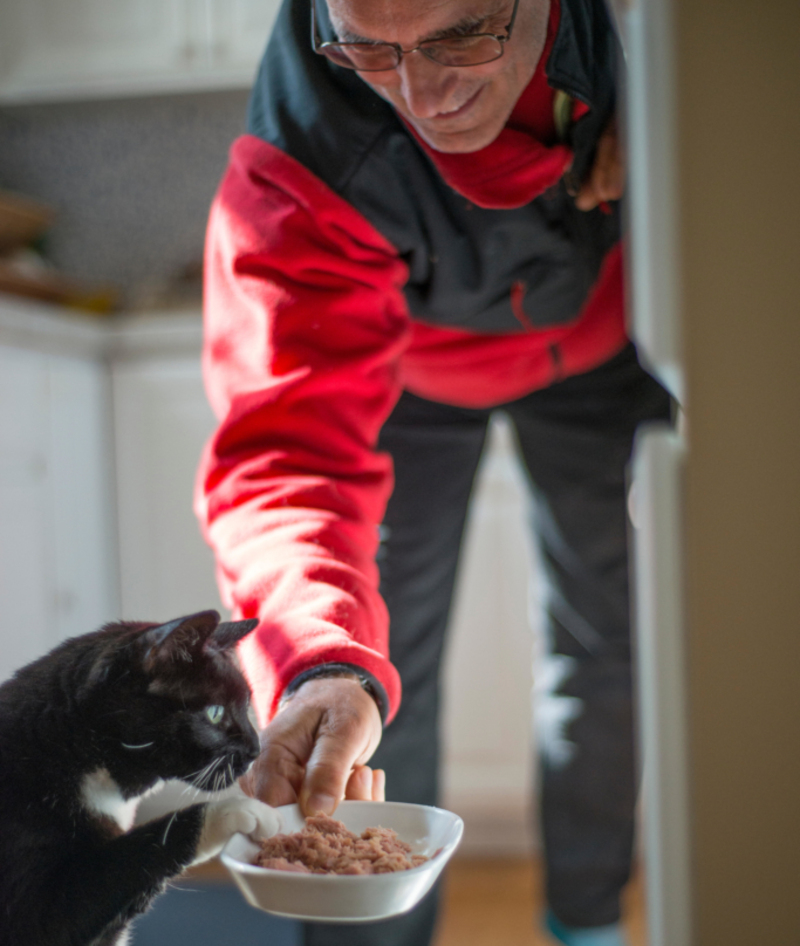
166	701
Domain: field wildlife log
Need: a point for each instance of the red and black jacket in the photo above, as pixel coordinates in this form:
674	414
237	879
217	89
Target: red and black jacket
346	261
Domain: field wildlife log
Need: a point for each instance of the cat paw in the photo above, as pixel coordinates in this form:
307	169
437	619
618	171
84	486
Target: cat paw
238	815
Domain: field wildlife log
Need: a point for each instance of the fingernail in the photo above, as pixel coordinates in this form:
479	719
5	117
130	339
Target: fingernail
321	804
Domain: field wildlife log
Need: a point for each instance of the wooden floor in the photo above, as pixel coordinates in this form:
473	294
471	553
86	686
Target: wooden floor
498	902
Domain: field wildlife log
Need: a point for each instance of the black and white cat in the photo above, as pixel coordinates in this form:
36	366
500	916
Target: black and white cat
85	733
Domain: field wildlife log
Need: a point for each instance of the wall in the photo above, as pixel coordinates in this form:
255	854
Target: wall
738	97
131	180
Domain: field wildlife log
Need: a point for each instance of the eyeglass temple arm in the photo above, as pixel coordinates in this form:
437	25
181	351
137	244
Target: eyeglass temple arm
315	39
510	22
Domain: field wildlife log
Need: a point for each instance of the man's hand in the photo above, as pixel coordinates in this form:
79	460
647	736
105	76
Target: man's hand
314	751
606	180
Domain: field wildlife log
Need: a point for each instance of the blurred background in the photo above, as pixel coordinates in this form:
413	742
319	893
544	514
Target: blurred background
115	122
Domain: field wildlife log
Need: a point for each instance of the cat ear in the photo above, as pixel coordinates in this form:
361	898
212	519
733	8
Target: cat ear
178	639
228	634
98	674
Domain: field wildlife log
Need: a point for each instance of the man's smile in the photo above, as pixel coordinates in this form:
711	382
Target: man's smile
459	110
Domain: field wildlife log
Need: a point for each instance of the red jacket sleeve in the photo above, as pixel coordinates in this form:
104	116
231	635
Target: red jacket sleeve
305	323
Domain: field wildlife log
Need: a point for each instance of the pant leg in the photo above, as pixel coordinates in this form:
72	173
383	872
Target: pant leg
576	439
435	450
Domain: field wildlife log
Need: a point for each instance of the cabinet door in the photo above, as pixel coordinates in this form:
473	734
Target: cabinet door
89	45
82	495
162	420
26	565
241	30
57	49
57	569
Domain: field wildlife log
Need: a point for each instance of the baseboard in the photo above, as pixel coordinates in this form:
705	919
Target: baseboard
496	831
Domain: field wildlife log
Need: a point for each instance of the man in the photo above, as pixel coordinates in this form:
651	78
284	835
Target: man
421	228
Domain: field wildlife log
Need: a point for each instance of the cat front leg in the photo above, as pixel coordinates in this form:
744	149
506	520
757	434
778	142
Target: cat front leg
239	814
103	889
105	885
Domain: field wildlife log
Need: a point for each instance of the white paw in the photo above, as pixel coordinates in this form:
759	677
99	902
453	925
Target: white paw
237	815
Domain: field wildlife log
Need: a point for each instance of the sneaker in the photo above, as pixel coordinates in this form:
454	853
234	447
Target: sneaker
612	935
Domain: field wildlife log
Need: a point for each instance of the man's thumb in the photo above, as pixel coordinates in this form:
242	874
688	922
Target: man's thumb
326	777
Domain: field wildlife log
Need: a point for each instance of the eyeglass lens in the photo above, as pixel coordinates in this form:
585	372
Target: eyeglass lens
457	51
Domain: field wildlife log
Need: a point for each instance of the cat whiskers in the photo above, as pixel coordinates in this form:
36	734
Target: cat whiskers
224	778
195	785
169	825
205	779
206	776
196	777
191	775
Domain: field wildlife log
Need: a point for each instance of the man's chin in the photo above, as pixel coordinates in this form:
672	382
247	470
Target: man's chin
457	142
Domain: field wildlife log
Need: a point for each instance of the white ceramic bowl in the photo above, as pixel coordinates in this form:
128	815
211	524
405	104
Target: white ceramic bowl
333	898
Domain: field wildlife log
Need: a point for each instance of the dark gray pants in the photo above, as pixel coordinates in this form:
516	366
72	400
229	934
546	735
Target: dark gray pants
575	439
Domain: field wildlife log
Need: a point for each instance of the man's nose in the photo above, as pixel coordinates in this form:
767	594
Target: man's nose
426	86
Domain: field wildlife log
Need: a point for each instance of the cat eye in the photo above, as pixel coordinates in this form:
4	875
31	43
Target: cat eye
215	713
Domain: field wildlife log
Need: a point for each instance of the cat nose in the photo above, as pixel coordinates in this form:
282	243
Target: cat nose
244	757
252	752
253	745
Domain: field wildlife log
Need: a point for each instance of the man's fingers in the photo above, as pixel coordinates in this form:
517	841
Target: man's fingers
348	734
587	199
277	774
610	180
247	783
378	785
324	785
615	178
366	784
274	778
328	774
606	180
359	785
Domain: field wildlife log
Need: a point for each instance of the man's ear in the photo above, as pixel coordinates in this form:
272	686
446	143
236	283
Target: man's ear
228	634
179	639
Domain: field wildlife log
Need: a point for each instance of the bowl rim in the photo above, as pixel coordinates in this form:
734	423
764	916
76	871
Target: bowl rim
245	867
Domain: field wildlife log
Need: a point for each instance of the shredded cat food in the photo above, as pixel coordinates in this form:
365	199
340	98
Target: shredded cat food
325	846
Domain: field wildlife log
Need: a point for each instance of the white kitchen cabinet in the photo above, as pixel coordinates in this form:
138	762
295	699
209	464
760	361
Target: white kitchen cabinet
57	553
26	566
241	29
60	49
161	421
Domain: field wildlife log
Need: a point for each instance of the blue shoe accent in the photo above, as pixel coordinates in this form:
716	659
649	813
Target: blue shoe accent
583	936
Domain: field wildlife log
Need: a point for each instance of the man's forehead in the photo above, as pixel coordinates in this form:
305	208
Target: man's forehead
379	19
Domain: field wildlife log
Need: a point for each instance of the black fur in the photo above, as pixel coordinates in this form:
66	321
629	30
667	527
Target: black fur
130	700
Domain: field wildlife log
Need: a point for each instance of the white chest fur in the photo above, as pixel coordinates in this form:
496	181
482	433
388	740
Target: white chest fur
101	795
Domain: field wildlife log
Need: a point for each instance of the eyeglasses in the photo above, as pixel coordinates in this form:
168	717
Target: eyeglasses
474	49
